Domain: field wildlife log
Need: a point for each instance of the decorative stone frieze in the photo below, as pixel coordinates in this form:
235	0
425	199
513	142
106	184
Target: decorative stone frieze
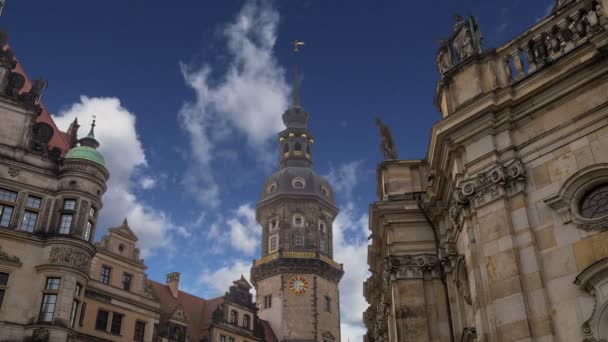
70	257
594	281
502	180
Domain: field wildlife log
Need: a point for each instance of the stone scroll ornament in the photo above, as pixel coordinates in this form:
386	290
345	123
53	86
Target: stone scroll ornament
466	40
387	146
70	257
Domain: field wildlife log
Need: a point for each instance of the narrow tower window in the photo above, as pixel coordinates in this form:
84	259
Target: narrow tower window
297	148
298	240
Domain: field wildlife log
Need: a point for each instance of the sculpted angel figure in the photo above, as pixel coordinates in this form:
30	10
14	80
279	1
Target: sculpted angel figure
389	150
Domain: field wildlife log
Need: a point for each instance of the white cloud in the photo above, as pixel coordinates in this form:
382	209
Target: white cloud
248	98
221	279
350	248
147	182
245	232
124	156
344	179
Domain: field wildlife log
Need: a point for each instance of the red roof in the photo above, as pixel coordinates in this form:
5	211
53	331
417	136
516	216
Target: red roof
58	139
269	335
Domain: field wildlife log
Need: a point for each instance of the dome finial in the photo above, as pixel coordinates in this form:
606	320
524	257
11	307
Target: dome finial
90	140
296	78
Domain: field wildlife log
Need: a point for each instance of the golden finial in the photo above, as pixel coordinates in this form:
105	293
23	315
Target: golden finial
296	45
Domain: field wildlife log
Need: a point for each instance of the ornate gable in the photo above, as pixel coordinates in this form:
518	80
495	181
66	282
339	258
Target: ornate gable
124	230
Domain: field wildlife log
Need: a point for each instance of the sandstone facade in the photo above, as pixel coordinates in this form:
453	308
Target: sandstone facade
499	234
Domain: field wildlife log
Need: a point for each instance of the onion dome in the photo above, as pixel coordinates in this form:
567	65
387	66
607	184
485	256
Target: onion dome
87	149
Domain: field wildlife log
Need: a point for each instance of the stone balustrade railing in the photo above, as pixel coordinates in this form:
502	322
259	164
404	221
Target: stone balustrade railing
549	40
296	255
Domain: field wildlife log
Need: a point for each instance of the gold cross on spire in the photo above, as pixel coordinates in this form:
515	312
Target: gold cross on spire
296	45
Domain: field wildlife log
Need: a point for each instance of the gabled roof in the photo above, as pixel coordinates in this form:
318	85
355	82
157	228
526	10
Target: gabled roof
59	138
124	230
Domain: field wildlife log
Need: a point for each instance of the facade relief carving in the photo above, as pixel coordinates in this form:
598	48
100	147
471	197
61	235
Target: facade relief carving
420	266
12	260
70	257
594	281
502	180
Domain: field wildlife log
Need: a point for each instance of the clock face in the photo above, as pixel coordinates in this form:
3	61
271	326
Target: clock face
298	285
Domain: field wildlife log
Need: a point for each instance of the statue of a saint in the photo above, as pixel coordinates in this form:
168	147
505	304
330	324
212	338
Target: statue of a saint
445	56
387	146
466	37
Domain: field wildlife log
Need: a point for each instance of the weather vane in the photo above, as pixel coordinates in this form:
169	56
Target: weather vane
296	45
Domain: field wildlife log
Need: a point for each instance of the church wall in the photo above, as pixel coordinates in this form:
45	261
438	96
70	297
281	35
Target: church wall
299	311
327	321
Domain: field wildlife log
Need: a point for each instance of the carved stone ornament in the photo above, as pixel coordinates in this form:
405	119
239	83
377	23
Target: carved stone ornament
461	279
70	257
5	258
14	171
41	335
469	335
502	180
16	81
420	266
594	281
573	193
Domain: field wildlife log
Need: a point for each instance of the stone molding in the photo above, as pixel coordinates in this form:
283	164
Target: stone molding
70	257
566	201
293	265
594	280
503	179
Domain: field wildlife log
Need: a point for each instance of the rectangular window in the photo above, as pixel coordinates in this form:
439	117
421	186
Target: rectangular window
126	281
273	243
231	339
116	324
6	213
92	212
101	323
83	310
47	310
53	283
28	224
105	274
87	231
297	240
33	202
77	290
66	223
222	338
140	331
267	302
69	204
3	283
73	313
7	195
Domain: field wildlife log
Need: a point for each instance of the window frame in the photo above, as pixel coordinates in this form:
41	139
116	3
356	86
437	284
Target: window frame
3	208
246	321
27	212
101	274
234	317
107	318
128	276
52	286
61	228
4	287
139	335
116	315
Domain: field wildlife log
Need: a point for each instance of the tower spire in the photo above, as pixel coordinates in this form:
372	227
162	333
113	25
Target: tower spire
90	140
296	77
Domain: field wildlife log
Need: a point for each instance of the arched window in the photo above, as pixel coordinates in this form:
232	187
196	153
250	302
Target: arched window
246	321
594	281
234	317
594	203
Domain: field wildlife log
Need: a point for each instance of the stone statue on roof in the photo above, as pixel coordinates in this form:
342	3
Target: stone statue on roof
466	40
387	146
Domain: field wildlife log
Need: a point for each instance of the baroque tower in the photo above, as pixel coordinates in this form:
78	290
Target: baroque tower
296	278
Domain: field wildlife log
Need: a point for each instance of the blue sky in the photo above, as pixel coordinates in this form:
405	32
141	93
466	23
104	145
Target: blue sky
188	99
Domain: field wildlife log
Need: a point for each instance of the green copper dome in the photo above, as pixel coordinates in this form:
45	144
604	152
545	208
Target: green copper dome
87	153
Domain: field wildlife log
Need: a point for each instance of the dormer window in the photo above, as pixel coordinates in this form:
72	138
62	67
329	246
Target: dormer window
298	220
298	183
272	187
325	191
121	248
274	225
